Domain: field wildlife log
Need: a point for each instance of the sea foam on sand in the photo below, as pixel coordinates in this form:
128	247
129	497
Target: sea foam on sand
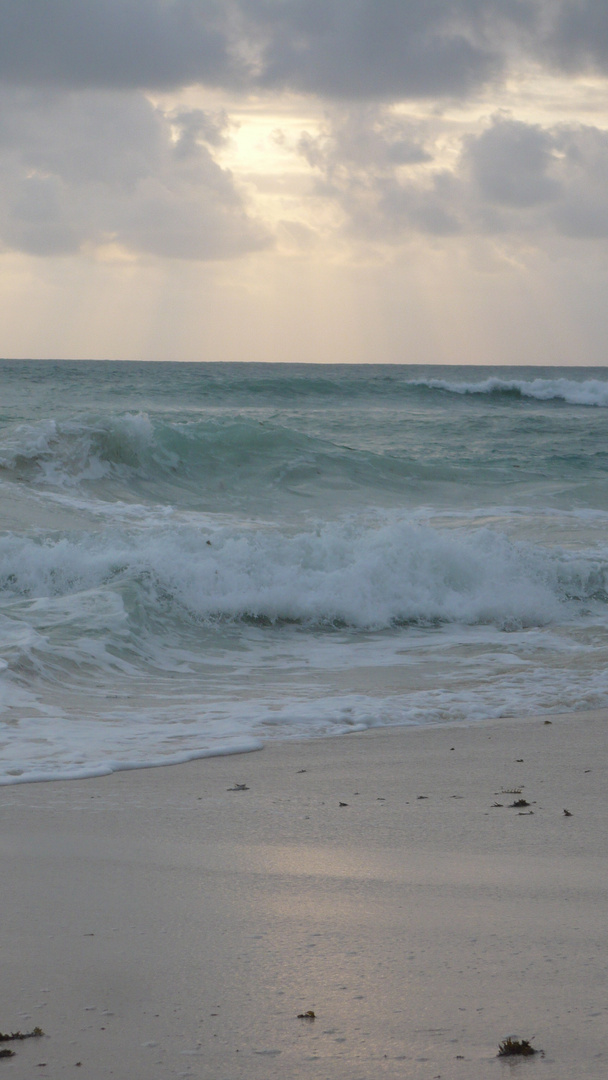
176	921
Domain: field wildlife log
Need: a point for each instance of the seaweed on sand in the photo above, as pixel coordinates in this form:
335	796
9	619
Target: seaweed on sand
511	1047
35	1034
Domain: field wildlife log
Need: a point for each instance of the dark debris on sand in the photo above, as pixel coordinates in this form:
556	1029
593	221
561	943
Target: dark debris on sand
516	1048
35	1034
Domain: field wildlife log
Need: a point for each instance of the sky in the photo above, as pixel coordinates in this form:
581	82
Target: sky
371	181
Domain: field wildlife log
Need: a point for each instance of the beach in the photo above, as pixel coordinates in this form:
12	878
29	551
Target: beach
304	540
178	921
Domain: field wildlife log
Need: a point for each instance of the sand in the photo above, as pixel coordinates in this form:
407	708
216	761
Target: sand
157	924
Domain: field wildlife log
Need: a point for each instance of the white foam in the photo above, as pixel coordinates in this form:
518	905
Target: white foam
67	771
132	647
583	392
151	613
66	453
355	573
69	746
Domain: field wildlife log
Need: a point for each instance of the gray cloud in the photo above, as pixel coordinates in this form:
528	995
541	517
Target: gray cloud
92	168
339	48
86	159
374	48
582	211
511	164
513	178
524	178
577	37
367	137
377	167
117	43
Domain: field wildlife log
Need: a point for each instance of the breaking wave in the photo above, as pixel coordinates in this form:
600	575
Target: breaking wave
339	575
195	558
586	392
202	463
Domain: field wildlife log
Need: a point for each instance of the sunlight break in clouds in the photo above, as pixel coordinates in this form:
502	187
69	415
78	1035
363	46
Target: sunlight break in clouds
398	180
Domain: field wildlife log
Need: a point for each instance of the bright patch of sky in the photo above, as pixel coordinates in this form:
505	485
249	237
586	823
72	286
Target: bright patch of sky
365	180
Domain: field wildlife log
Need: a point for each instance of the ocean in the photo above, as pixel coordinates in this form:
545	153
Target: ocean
198	558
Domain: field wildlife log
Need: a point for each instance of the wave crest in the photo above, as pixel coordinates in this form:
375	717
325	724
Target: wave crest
586	392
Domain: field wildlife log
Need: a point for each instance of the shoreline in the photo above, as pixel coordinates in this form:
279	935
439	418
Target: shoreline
254	744
169	923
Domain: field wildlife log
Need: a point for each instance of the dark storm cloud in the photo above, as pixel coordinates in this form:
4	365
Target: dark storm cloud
340	48
83	169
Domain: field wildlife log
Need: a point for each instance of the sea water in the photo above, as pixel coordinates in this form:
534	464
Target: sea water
197	558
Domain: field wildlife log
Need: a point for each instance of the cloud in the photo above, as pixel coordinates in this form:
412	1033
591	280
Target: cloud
336	48
87	161
512	178
582	210
117	43
363	162
539	180
86	169
383	50
577	37
511	164
375	48
366	137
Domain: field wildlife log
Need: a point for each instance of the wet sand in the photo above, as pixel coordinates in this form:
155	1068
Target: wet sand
161	924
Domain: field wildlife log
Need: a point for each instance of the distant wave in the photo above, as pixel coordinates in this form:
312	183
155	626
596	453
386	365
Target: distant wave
586	392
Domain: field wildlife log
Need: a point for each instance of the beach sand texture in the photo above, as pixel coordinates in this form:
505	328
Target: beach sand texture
158	923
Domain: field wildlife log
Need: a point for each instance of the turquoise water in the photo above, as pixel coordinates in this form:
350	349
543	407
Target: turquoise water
195	558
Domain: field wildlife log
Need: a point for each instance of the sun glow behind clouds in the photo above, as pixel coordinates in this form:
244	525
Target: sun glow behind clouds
260	150
273	146
261	224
